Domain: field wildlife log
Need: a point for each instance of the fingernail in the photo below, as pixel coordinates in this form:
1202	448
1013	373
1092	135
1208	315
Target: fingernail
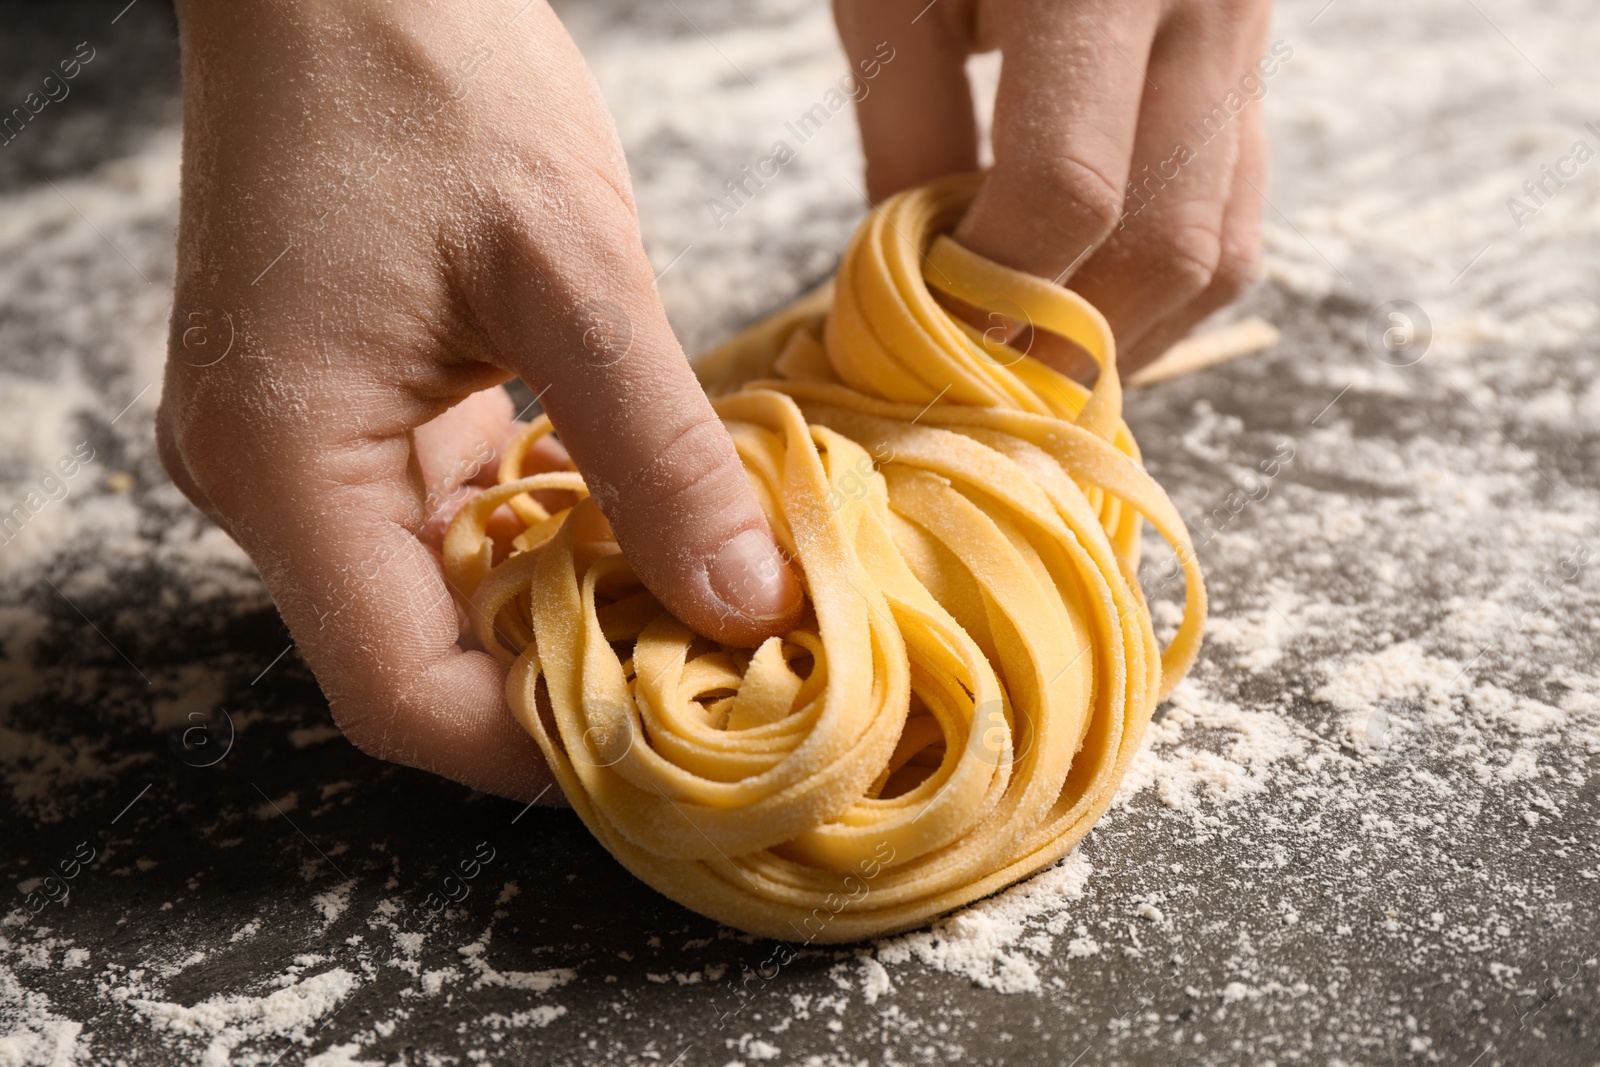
750	577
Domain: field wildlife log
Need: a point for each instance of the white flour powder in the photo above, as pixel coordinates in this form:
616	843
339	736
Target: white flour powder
1390	661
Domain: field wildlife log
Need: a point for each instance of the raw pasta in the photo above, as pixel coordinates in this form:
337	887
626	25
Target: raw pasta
976	665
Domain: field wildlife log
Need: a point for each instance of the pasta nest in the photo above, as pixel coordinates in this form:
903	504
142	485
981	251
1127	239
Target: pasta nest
976	665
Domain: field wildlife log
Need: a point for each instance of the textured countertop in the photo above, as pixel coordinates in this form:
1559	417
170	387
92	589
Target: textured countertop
1363	832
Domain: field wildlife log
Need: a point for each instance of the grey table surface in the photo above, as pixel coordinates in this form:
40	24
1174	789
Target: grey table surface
1366	829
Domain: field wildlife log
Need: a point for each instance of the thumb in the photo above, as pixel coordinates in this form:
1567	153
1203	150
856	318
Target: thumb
580	320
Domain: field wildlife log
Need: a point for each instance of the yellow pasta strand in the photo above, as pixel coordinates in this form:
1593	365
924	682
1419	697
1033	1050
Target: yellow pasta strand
976	665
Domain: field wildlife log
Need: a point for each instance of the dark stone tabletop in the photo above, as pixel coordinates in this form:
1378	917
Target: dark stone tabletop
1363	832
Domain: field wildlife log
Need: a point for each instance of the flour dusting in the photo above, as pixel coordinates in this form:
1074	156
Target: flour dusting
1360	832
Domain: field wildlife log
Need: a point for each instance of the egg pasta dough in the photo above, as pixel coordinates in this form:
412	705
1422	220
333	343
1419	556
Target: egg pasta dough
976	665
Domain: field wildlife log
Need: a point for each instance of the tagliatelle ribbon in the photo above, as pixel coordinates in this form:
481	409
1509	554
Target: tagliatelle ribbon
976	666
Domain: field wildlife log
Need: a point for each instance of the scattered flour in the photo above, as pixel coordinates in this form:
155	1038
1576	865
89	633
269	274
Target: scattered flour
534	981
346	1055
1184	770
982	942
1389	660
537	1018
333	903
34	1033
874	980
433	981
224	1022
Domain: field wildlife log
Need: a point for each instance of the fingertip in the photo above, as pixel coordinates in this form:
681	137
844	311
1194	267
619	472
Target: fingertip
759	594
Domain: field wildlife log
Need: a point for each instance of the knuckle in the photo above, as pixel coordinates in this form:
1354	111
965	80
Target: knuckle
696	472
368	722
1239	269
1188	257
192	460
177	458
565	182
1075	188
168	448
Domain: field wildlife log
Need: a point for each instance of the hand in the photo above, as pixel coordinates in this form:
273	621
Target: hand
387	209
1092	92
